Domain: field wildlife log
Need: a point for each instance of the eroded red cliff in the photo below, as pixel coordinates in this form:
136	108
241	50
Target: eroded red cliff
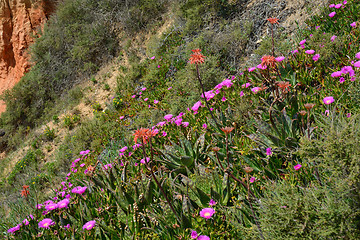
19	19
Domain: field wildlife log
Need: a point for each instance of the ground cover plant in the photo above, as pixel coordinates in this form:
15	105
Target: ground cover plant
266	152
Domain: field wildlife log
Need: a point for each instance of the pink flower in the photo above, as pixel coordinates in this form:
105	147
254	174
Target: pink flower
89	225
255	90
143	160
268	152
46	223
302	42
328	100
348	115
25	222
357	64
185	124
353	24
337	6
14	229
169	88
158	66
209	95
194	234
207	213
297	167
227	82
280	59
262	67
246	85
341	80
357	55
123	149
204	126
178	121
332	14
317	27
146	99
143	89
252	179
133	96
156	101
331	5
51	206
310	51
251	69
164	133
223	99
241	93
333	38
203	237
168	117
161	124
79	190
336	74
196	106
63	203
152	58
316	57
212	202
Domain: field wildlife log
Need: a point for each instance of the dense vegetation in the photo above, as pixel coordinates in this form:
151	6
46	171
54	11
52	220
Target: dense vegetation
195	144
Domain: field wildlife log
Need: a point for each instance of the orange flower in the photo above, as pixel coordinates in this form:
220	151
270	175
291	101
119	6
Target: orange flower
24	191
197	57
227	130
273	20
309	106
143	134
303	113
283	86
268	61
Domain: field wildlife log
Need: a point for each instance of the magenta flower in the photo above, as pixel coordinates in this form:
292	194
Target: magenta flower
255	90
152	58
158	66
46	223
51	206
204	126
353	24
348	115
310	51
207	213
328	100
302	42
246	85
164	133
280	59
251	69
84	152
168	117
79	190
357	64
337	6
209	95
268	152
185	124
169	88
341	80
332	14
196	106
25	222
336	74
63	203
14	229
89	225
143	89
194	234
227	82
252	179
297	167
357	55
203	237
123	149
241	93
212	202
316	57
223	99
156	101
146	99
178	121
262	67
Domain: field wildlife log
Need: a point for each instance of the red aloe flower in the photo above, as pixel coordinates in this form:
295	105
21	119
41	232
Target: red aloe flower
197	57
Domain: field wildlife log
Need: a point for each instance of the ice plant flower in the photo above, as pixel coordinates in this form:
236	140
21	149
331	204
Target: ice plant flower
357	64
332	14
246	85
333	38
194	234
336	74
268	152
89	225
25	222
252	179
14	229
353	24
280	59
46	223
251	69
337	6
212	202
51	206
207	213
185	124
196	106
310	51
203	237
316	57
341	80
204	126
297	167
255	90
168	117
156	101
196	57
302	42
79	190
328	100
357	55
63	203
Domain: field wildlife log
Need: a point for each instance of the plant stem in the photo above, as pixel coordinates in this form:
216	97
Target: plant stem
203	90
158	183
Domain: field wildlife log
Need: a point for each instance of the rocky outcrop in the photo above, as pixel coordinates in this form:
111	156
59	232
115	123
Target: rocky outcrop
19	20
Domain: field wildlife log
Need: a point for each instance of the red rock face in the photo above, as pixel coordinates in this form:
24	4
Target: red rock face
19	20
